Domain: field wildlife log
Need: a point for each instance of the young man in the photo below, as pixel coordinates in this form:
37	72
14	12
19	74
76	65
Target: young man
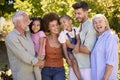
20	49
88	39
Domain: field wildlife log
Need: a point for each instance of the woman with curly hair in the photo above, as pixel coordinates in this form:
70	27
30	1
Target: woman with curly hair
53	69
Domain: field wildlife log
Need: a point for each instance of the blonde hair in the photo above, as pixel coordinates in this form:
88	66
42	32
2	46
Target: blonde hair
101	16
17	16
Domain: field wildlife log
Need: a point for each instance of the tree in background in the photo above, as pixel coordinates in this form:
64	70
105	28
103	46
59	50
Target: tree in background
37	8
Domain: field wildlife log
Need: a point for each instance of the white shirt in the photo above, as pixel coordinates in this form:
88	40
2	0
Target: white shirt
63	37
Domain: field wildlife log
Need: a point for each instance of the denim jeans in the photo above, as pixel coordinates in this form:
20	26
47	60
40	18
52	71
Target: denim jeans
53	73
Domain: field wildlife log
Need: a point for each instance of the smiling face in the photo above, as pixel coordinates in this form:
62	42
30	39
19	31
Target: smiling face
53	27
65	23
24	22
100	24
81	15
36	26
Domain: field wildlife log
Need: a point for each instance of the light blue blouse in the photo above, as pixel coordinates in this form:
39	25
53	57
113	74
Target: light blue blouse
105	52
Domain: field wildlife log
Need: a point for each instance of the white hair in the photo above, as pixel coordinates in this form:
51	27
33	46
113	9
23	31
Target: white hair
101	16
17	16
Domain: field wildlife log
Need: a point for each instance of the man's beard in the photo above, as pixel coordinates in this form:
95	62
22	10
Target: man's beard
25	28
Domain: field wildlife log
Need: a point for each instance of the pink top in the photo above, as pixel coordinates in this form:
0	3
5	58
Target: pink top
36	40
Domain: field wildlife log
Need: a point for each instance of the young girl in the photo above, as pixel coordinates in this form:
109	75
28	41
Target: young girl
69	34
38	38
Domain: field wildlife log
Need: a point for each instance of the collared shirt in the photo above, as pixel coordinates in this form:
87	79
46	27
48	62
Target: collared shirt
88	38
105	52
21	55
63	37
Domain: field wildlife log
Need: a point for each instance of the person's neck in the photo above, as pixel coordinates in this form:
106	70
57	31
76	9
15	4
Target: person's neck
69	29
22	32
84	20
53	36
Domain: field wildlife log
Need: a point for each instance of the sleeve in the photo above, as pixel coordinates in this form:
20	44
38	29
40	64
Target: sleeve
14	46
62	37
111	51
90	38
42	34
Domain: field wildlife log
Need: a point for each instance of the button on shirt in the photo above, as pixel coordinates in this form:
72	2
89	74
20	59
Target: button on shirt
53	56
88	38
21	54
105	52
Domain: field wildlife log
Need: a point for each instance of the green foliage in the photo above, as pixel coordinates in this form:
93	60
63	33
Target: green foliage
23	5
37	8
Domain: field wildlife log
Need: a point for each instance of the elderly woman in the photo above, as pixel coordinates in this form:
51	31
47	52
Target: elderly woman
53	69
104	57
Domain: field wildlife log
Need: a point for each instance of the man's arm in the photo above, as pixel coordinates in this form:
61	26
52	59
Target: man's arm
90	39
88	43
84	49
15	46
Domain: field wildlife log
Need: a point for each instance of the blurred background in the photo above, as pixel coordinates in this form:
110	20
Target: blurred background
37	8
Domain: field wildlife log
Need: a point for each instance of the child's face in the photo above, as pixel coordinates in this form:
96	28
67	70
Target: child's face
65	23
36	26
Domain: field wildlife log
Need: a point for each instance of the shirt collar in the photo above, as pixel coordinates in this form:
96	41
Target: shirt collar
17	32
85	22
105	32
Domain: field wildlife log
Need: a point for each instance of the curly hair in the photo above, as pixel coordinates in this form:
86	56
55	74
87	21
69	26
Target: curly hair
48	18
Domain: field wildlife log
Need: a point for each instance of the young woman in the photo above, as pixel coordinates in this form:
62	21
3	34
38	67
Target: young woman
53	69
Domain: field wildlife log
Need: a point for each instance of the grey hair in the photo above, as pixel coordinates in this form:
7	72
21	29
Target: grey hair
17	16
101	16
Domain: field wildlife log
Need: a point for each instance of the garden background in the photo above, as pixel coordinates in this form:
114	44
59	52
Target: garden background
37	8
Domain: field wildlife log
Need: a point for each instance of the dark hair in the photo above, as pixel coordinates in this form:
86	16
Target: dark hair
81	4
66	17
48	18
31	24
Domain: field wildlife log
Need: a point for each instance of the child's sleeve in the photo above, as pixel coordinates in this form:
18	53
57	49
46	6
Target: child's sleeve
61	37
42	34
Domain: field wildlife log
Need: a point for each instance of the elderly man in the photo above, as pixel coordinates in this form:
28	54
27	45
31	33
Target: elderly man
20	49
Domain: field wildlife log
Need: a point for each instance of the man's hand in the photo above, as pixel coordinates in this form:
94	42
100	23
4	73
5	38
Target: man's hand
40	63
76	49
